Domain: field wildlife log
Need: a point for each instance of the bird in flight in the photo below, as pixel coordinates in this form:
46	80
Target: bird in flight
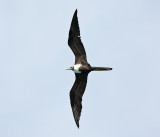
81	68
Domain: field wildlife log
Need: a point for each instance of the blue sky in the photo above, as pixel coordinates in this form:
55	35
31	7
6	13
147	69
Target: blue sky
34	91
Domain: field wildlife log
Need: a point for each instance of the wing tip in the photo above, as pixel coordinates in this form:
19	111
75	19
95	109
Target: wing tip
77	123
75	13
76	119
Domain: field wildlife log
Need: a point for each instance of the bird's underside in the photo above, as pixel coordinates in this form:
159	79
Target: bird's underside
81	68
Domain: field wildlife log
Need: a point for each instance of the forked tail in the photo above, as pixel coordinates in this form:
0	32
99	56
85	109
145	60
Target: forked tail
100	68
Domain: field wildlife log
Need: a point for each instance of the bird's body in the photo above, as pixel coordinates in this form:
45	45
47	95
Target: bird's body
81	68
76	68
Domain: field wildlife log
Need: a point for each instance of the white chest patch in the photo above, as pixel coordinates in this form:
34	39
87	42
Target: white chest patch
76	68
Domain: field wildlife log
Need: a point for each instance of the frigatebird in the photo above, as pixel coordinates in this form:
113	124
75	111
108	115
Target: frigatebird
81	68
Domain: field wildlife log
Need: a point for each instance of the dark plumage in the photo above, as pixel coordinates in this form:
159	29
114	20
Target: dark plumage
81	68
76	94
75	43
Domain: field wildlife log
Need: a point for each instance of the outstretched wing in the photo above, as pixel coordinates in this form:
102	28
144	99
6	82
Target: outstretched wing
76	94
75	43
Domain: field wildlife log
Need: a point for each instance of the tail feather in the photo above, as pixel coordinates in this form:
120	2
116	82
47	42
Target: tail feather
101	68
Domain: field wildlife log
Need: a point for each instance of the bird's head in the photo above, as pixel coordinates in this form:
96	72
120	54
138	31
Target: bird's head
71	68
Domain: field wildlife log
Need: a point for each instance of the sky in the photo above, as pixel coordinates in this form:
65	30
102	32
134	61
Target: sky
34	89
